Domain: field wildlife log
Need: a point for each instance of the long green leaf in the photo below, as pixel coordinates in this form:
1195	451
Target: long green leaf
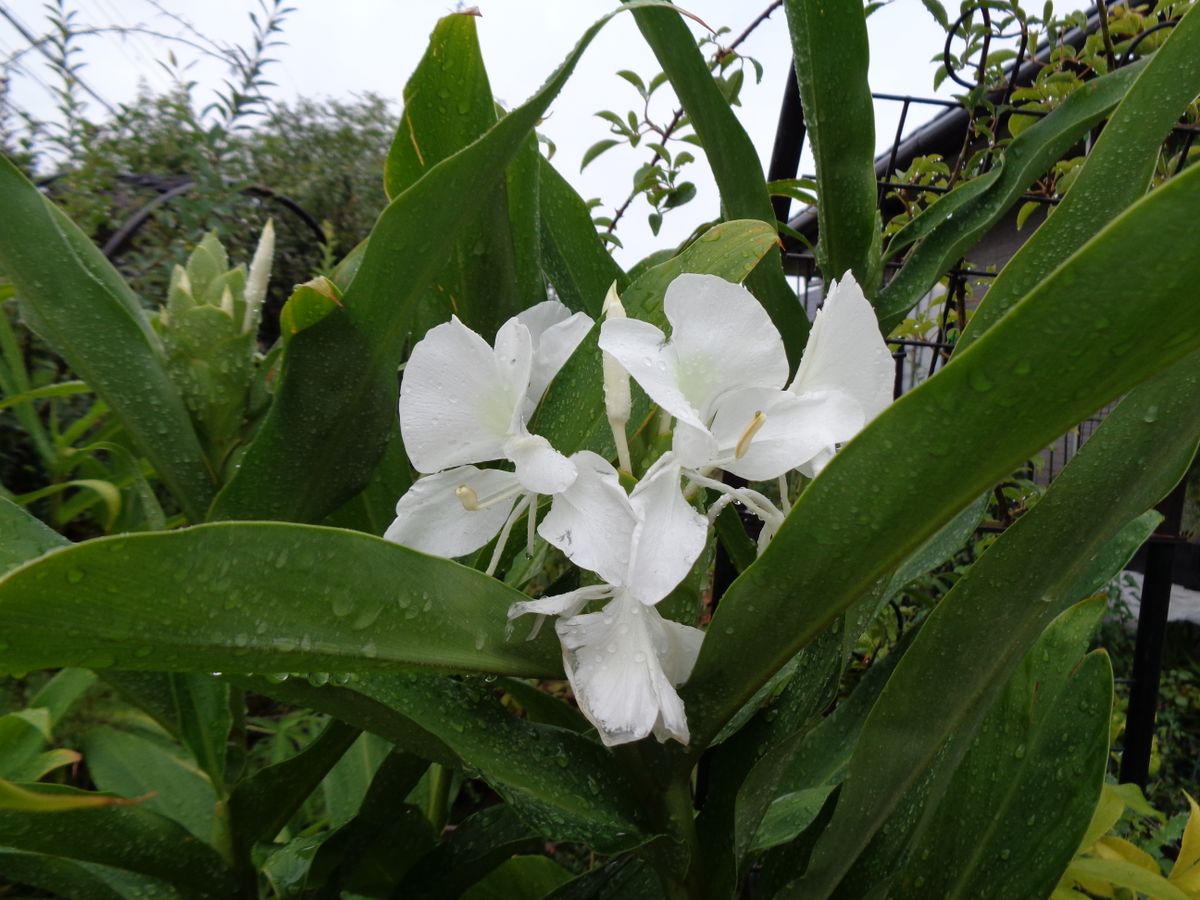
261	805
978	634
1029	155
831	55
25	537
354	708
1020	801
363	850
447	105
90	316
572	253
1087	334
568	787
1116	172
479	843
126	837
336	400
136	766
262	597
69	878
733	160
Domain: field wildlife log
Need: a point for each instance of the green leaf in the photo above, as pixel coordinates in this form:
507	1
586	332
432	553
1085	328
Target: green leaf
1018	804
24	734
130	765
785	790
261	805
81	306
732	157
25	537
362	854
1088	333
477	845
980	631
596	149
939	548
261	597
563	784
1115	173
193	708
347	783
69	878
573	255
448	104
1028	157
124	836
336	400
355	709
622	878
61	389
830	51
519	878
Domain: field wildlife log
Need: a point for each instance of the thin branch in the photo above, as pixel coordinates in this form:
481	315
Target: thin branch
34	41
674	123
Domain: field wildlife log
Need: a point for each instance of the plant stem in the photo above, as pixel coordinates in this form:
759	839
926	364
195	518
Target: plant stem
681	822
439	796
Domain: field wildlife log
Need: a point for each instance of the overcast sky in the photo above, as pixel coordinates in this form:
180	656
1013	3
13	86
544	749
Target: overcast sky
348	47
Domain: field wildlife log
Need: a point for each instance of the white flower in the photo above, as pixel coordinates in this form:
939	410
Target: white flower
722	375
625	660
464	402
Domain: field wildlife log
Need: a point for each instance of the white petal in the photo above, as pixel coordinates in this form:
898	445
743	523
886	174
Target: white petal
592	522
568	604
670	535
431	518
555	333
695	448
456	401
616	661
792	432
540	468
846	351
645	354
723	339
514	365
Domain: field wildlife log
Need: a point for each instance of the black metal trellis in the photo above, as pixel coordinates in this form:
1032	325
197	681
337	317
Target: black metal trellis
949	135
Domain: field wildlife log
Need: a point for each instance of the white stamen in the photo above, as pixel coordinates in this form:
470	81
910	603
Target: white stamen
470	499
752	429
504	533
467	497
785	500
751	499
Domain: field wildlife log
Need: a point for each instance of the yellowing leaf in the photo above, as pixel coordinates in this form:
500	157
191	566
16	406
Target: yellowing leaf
19	799
1185	874
1090	873
1111	847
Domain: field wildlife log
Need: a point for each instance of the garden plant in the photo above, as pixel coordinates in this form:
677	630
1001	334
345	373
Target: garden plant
462	519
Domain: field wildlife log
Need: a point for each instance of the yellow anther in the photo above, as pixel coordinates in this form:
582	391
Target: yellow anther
743	443
467	497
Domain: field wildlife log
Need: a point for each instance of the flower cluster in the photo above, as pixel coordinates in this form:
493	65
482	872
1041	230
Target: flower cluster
722	375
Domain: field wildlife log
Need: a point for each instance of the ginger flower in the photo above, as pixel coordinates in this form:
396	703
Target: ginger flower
624	661
464	402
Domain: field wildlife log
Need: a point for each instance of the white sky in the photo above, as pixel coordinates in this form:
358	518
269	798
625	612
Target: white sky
353	46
